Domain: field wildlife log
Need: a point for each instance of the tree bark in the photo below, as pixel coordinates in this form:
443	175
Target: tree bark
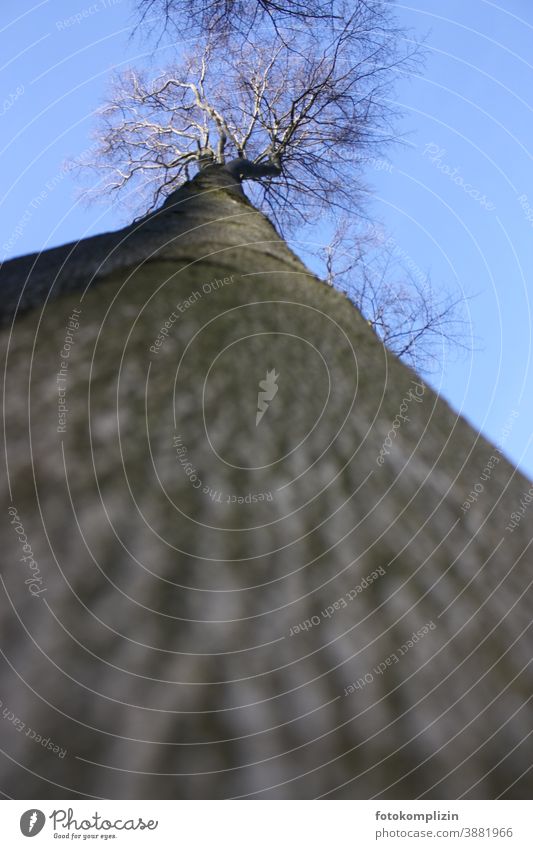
217	608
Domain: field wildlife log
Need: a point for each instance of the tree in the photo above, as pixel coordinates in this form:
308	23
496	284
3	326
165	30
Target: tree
300	112
399	301
298	119
360	630
198	607
224	18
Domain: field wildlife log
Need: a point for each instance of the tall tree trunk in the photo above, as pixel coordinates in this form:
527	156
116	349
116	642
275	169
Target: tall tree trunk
217	603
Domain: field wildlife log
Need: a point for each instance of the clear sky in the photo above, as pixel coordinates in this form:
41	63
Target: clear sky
457	197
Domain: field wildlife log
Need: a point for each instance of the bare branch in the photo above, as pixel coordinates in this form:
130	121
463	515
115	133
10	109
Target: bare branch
395	296
222	18
306	115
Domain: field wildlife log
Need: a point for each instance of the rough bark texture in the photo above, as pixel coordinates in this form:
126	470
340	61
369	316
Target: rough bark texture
161	645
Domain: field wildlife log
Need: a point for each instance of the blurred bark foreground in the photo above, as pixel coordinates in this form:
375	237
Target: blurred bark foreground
247	552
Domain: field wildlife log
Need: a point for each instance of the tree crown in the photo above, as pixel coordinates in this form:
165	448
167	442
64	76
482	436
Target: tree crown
300	111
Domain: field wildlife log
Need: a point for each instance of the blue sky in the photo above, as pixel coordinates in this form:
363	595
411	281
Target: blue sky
457	199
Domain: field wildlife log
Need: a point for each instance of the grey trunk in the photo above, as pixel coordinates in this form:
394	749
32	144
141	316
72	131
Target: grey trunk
250	568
